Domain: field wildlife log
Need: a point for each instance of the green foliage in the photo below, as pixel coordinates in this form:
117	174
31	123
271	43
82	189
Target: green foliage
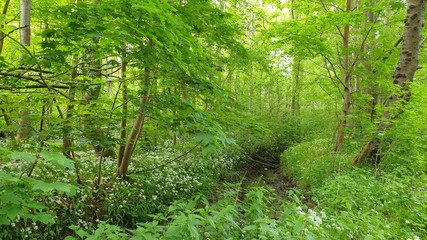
379	207
251	216
238	79
311	163
22	205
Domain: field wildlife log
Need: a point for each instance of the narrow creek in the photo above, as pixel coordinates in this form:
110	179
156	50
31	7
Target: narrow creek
266	170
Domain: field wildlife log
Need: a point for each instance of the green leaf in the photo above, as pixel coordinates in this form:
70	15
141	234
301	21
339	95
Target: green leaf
48	187
3	220
11	212
22	156
193	231
5	177
250	228
173	232
10	197
58	160
44	218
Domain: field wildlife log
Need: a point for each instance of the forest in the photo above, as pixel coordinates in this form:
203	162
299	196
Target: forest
213	119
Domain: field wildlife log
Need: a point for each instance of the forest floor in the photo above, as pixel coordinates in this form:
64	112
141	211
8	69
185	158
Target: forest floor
265	170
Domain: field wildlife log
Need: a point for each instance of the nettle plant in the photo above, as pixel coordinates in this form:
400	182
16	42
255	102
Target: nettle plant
252	215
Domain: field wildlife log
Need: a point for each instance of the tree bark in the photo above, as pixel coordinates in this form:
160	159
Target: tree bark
403	75
25	25
25	40
136	129
5	9
123	122
67	141
347	86
296	75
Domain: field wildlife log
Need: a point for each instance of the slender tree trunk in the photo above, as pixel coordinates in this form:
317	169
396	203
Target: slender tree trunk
67	142
403	75
92	129
296	71
296	74
347	86
123	122
136	129
4	12
372	88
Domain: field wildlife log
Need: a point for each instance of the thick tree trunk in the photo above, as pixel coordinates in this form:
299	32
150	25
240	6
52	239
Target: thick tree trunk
25	27
24	125
347	86
25	40
403	75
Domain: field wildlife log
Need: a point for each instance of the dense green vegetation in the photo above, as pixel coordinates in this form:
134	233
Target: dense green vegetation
170	119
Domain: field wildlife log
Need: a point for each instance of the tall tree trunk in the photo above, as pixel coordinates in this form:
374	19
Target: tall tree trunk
4	12
24	124
25	26
403	75
296	75
67	142
25	40
92	94
123	122
347	86
296	70
372	88
136	129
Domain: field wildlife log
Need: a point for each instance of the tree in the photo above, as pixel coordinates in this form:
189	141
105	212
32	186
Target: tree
25	25
2	36
25	40
346	66
402	77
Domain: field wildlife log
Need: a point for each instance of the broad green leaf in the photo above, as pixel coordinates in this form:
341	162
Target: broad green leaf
11	211
173	232
193	231
5	177
22	156
10	197
58	160
4	220
44	218
48	187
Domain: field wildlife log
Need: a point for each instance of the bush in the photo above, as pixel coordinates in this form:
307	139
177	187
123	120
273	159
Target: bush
311	163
